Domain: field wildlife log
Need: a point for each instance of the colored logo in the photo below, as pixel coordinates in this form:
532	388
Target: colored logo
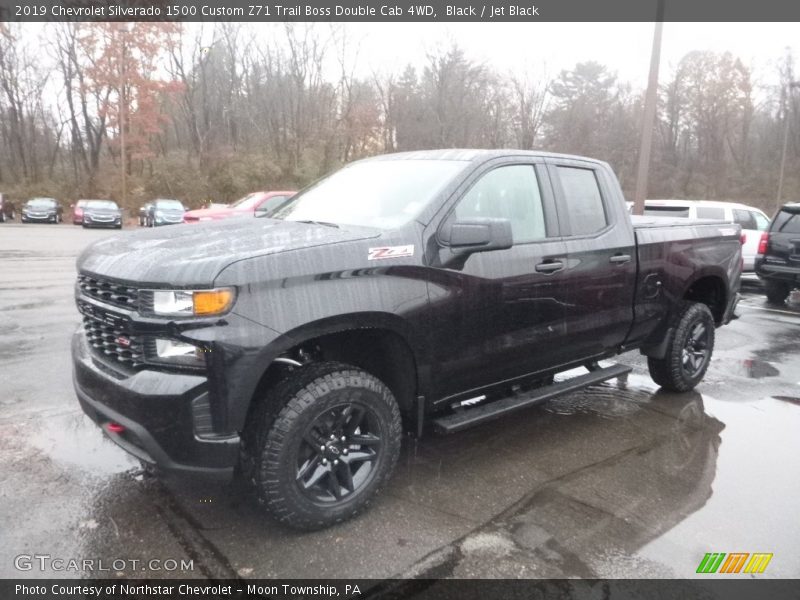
734	562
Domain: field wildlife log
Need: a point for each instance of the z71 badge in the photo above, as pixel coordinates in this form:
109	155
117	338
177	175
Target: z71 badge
390	252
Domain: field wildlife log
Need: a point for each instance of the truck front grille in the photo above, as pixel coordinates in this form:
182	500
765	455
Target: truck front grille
108	292
108	336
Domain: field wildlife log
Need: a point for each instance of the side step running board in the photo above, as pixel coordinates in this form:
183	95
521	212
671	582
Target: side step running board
494	410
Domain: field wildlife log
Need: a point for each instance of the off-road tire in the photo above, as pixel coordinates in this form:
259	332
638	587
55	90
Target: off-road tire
669	372
289	408
777	291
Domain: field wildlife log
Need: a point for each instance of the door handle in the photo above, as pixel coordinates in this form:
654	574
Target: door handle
620	258
550	267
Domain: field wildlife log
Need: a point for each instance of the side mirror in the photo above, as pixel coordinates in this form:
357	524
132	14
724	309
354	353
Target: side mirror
477	235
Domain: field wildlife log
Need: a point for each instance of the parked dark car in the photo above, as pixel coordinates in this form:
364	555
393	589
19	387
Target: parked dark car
164	211
442	288
778	258
102	213
144	209
42	210
77	212
8	211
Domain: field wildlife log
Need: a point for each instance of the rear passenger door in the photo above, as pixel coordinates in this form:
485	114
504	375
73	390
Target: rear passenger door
600	273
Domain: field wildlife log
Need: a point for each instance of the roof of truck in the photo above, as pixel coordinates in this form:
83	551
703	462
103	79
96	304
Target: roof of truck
475	154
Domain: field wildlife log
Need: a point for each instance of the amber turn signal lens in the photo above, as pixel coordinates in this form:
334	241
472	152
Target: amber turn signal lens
212	302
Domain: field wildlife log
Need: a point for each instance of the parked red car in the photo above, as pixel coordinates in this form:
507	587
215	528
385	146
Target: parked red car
77	212
253	204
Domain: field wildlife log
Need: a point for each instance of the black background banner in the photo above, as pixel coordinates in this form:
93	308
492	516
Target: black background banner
400	11
704	587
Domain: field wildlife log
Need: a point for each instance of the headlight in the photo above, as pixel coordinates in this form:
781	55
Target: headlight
200	303
159	213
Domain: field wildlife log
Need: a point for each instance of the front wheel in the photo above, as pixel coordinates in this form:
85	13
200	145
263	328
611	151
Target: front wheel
777	291
330	447
689	349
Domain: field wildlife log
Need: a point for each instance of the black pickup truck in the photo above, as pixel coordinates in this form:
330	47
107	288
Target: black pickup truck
439	289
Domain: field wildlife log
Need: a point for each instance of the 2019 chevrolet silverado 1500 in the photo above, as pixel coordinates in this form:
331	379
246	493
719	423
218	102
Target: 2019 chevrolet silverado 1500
442	287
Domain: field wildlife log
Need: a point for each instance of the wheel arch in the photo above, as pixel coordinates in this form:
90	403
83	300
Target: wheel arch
382	344
709	287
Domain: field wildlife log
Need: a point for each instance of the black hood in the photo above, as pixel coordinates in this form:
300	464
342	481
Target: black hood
190	255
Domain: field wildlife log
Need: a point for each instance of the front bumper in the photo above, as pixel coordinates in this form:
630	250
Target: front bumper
93	222
164	415
168	220
39	218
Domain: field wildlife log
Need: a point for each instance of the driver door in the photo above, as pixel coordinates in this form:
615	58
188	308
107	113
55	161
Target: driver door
501	315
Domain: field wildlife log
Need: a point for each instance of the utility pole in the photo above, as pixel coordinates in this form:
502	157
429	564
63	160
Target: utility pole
649	115
786	102
122	110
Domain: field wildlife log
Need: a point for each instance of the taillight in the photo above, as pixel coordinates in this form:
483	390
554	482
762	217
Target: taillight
763	243
743	239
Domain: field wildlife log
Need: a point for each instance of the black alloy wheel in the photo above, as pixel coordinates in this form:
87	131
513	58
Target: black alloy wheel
696	350
690	344
336	455
321	444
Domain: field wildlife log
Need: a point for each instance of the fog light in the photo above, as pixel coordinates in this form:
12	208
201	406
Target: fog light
172	349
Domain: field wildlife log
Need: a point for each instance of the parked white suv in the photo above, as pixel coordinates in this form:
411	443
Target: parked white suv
752	220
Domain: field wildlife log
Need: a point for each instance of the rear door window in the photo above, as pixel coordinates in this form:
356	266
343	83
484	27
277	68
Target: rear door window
744	218
583	200
710	212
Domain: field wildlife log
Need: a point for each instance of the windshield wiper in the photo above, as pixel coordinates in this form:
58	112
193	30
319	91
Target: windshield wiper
325	223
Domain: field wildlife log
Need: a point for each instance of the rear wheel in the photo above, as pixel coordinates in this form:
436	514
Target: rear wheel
689	349
777	291
329	448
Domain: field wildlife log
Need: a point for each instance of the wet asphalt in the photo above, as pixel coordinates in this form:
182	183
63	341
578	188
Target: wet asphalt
620	480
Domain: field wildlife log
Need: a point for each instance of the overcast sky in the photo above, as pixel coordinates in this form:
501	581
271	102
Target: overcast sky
550	47
623	47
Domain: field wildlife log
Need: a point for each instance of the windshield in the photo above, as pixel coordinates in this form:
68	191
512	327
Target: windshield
42	202
169	204
105	204
376	193
250	199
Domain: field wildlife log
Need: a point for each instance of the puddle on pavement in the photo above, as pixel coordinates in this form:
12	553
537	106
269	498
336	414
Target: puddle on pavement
756	369
607	400
73	440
